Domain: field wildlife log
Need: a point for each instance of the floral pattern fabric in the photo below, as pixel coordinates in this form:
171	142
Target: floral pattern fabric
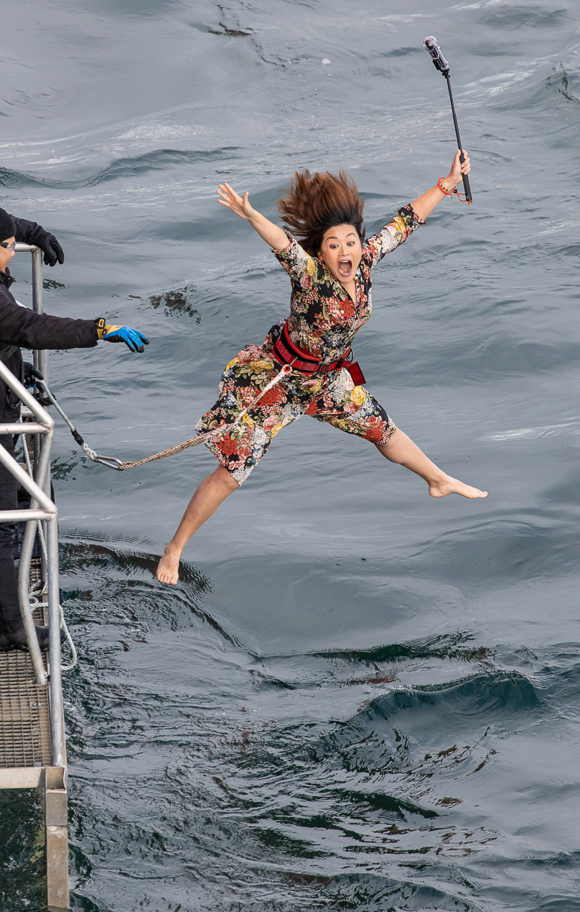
323	317
323	321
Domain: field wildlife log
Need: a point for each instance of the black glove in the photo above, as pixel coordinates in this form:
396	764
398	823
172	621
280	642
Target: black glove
52	250
30	375
33	233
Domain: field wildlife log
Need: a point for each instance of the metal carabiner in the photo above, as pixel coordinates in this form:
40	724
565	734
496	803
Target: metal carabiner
111	462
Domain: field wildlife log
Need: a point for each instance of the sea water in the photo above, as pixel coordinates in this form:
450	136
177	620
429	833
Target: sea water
357	697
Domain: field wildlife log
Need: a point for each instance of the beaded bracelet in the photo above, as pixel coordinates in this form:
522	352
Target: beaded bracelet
444	189
447	192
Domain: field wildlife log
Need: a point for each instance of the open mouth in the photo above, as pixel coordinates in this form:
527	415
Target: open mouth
345	268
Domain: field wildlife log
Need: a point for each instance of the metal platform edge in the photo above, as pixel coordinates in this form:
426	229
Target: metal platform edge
50	777
51	780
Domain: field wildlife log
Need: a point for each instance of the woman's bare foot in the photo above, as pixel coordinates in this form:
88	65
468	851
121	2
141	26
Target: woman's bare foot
168	569
401	449
449	485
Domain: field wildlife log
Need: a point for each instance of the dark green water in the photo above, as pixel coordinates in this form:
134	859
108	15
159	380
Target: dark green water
358	698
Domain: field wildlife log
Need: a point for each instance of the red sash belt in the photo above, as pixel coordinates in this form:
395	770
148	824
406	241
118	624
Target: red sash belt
288	353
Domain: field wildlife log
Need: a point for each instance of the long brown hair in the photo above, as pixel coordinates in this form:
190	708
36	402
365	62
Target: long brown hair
316	202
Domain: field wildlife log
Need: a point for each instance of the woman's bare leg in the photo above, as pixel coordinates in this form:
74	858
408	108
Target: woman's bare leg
402	450
211	493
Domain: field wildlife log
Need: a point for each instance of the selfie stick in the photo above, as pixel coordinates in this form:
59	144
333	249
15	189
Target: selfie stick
441	64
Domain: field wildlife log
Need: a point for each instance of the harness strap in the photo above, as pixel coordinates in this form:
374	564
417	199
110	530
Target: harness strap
288	353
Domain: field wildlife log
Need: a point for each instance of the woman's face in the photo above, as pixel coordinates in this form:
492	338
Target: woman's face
6	254
341	252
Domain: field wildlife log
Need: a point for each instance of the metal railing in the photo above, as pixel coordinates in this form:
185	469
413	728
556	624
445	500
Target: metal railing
41	508
40	357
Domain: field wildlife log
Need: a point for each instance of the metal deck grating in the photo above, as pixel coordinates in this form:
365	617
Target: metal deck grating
25	739
24	715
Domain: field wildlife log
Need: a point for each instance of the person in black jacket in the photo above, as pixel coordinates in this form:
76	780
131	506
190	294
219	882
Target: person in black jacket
21	326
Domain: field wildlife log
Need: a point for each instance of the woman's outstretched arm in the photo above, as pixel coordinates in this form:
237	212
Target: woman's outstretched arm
425	204
268	231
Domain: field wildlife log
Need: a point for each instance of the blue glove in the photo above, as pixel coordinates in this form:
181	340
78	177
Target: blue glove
131	337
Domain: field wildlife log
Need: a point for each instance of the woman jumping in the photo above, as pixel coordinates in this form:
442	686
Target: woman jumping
330	270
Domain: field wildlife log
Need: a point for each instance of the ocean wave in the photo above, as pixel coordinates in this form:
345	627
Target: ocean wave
157	160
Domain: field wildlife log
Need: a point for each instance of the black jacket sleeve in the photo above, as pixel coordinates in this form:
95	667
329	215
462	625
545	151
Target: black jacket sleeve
26	232
21	326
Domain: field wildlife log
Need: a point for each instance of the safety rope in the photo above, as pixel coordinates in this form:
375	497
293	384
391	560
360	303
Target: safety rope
104	460
113	463
193	441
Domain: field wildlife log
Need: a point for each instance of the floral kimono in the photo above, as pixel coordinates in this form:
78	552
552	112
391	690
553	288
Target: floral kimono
323	322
